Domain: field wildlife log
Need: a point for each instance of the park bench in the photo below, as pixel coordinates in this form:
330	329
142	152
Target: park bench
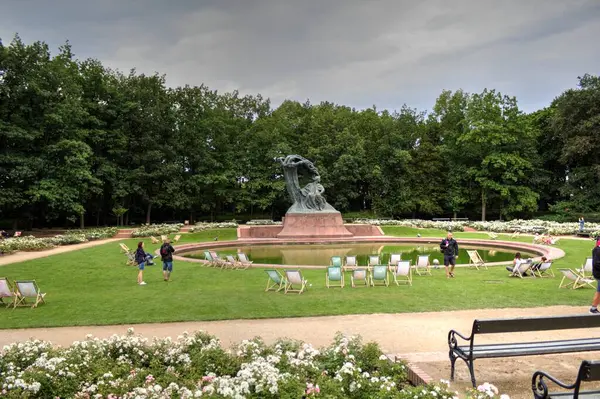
470	352
588	371
460	219
441	219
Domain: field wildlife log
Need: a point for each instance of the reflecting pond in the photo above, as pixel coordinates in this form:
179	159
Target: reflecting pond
320	254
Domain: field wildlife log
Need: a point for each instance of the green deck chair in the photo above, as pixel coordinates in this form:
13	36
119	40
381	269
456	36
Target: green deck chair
276	281
336	261
334	277
379	275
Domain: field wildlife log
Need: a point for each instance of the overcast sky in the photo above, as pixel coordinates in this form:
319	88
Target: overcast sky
357	53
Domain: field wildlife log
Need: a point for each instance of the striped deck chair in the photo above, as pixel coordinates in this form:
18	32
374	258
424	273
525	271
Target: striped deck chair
244	260
7	293
475	260
334	277
177	238
359	275
379	275
154	240
129	253
350	262
27	289
294	282
423	266
543	270
521	268
276	281
575	280
586	269
402	273
232	262
393	262
336	261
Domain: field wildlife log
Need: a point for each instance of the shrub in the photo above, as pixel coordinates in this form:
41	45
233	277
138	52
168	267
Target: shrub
207	226
28	243
416	223
156	230
261	222
96	234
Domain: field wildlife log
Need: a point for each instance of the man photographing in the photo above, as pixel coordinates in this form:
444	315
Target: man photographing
449	248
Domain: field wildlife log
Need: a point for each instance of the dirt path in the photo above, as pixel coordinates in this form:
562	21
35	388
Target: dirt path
23	256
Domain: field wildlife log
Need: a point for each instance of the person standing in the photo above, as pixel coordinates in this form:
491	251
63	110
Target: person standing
596	274
140	258
166	253
449	248
581	224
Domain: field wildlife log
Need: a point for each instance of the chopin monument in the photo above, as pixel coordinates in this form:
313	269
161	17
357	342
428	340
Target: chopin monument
310	215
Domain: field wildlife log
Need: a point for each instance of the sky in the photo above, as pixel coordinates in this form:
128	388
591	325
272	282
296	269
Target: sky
358	53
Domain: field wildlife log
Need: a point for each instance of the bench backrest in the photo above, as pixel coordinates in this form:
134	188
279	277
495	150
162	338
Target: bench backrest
495	326
590	371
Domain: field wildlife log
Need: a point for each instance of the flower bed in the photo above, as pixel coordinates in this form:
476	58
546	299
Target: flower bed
532	226
156	230
415	223
265	222
31	243
207	226
196	366
28	243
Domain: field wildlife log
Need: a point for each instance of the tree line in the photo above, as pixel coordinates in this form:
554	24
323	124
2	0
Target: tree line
83	144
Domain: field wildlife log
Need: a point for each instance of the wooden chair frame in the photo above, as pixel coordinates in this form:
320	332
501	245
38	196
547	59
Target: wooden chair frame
293	279
22	296
276	282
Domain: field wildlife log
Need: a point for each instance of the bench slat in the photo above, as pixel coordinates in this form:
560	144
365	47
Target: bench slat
585	394
524	350
539	344
494	326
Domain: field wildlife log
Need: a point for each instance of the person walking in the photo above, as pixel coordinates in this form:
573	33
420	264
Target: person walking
166	253
140	258
449	248
596	274
581	224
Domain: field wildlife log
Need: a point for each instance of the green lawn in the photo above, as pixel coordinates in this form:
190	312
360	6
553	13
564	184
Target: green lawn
93	286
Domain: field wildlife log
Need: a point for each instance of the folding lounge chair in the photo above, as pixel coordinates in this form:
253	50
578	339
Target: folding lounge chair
475	259
276	281
164	238
129	253
359	275
336	261
379	275
177	238
124	248
576	280
294	282
544	270
423	266
586	269
402	273
334	277
520	269
218	260
515	233
493	236
7	293
154	240
350	262
373	261
394	259
211	261
28	289
235	264
243	258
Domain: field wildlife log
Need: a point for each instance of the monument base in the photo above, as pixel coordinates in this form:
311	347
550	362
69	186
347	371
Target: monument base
314	225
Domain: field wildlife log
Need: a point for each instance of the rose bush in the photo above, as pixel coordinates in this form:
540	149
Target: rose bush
265	222
208	226
156	230
415	223
31	243
129	366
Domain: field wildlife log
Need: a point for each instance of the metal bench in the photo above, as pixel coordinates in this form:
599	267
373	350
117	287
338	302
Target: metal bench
588	371
470	352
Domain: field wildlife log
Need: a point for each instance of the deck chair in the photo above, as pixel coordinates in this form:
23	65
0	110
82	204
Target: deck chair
423	266
124	248
334	277
294	282
379	275
177	238
586	269
394	259
243	258
475	259
336	261
576	280
211	262
7	293
538	239
359	275
234	263
276	281
164	238
17	234
154	240
350	262
402	272
493	236
27	289
373	261
515	234
520	269
218	260
129	253
544	270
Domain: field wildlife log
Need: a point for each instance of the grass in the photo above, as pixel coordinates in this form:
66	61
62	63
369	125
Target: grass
93	286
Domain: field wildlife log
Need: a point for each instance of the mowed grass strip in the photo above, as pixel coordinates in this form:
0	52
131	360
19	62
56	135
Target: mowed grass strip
94	287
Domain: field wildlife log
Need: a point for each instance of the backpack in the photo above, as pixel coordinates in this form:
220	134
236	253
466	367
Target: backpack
164	250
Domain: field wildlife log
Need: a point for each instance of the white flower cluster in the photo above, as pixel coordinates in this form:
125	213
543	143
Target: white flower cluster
261	222
532	226
208	226
415	223
156	230
31	243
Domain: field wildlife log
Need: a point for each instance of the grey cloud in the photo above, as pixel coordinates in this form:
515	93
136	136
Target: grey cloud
383	52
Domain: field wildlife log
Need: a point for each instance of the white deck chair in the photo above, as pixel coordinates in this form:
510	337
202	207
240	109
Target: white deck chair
402	273
373	261
359	276
586	269
154	240
521	268
243	258
576	280
7	293
423	266
28	289
235	264
476	260
350	262
515	234
295	282
538	239
394	259
493	236
544	270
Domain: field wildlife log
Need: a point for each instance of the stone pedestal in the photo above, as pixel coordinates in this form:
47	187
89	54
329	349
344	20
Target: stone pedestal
314	225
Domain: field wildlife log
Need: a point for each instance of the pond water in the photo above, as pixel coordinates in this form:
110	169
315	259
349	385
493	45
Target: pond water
320	254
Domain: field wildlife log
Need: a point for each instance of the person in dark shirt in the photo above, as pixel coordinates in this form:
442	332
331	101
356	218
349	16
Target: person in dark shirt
140	258
166	253
449	248
596	274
